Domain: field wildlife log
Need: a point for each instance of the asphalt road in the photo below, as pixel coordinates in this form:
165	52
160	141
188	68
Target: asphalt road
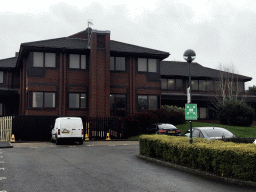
94	166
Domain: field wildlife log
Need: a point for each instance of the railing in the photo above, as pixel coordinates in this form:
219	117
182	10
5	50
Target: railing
5	128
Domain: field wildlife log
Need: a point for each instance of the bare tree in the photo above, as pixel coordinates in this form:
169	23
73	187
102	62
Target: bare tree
228	85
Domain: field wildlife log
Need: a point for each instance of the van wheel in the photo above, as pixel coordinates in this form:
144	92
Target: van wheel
57	141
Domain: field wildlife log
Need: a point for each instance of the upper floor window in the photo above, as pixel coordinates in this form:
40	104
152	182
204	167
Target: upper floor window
1	77
77	100
172	84
117	63
147	102
43	100
41	59
202	85
147	65
77	61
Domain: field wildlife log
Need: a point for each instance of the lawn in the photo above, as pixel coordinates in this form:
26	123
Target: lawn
248	132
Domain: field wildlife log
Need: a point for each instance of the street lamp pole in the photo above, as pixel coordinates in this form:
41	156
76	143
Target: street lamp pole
189	56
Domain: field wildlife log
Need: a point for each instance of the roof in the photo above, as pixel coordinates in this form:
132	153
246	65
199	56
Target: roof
120	47
8	63
59	43
180	69
77	42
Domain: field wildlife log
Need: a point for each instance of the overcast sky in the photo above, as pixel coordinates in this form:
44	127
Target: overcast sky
219	31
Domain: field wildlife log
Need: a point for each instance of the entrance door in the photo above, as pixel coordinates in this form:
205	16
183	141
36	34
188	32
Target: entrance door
118	105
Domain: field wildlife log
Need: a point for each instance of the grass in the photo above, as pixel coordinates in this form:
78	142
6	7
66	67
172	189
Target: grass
247	132
244	132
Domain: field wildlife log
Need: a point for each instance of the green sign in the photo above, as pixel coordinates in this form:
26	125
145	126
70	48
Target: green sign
191	111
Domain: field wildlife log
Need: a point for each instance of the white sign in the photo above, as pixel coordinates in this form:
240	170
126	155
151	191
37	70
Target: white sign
188	95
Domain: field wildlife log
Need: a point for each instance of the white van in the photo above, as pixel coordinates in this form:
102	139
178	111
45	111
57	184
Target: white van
68	128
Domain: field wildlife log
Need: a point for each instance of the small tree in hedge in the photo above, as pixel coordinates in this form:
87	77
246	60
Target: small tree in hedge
234	112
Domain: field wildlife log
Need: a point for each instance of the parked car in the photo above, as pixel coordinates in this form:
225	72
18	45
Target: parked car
210	133
68	128
163	128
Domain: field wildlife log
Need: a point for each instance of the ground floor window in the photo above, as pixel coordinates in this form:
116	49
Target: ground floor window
118	104
77	100
147	102
43	100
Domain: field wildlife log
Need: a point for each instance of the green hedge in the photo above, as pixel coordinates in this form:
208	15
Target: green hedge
218	157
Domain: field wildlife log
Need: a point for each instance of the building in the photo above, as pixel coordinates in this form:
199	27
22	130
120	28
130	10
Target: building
99	77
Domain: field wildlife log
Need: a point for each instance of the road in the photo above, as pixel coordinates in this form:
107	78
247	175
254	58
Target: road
94	166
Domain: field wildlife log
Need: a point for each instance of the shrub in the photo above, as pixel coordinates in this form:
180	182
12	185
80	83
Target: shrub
137	124
234	112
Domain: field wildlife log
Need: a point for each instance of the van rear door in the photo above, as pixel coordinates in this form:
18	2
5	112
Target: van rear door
71	127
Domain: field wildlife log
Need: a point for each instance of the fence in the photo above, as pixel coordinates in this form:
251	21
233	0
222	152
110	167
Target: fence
38	128
5	128
98	127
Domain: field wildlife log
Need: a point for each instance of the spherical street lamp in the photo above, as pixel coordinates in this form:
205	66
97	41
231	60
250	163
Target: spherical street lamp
189	56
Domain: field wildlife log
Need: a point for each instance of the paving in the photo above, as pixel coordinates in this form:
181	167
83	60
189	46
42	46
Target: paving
5	144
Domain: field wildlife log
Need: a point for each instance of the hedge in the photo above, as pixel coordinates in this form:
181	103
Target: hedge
222	158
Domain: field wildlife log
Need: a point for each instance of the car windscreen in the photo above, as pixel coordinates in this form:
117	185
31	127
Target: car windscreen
167	126
218	133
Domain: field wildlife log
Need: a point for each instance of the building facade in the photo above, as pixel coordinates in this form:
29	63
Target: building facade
99	77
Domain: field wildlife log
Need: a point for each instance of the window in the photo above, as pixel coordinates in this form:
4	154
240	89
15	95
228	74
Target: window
117	63
202	85
147	65
41	59
163	83
172	84
1	77
202	113
194	84
209	85
77	61
77	100
117	104
147	102
43	100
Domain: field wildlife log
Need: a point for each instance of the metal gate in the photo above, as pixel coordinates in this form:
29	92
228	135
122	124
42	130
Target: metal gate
5	128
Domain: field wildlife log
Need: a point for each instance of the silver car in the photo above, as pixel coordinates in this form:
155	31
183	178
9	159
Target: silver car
210	133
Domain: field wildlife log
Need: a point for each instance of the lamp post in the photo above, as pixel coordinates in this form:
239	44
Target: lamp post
189	56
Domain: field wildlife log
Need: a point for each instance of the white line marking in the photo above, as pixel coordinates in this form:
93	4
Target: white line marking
3	191
1	168
1	178
1	156
1	161
111	145
89	145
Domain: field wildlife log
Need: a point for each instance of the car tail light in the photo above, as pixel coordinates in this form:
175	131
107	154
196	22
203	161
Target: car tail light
178	130
82	132
162	131
58	131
